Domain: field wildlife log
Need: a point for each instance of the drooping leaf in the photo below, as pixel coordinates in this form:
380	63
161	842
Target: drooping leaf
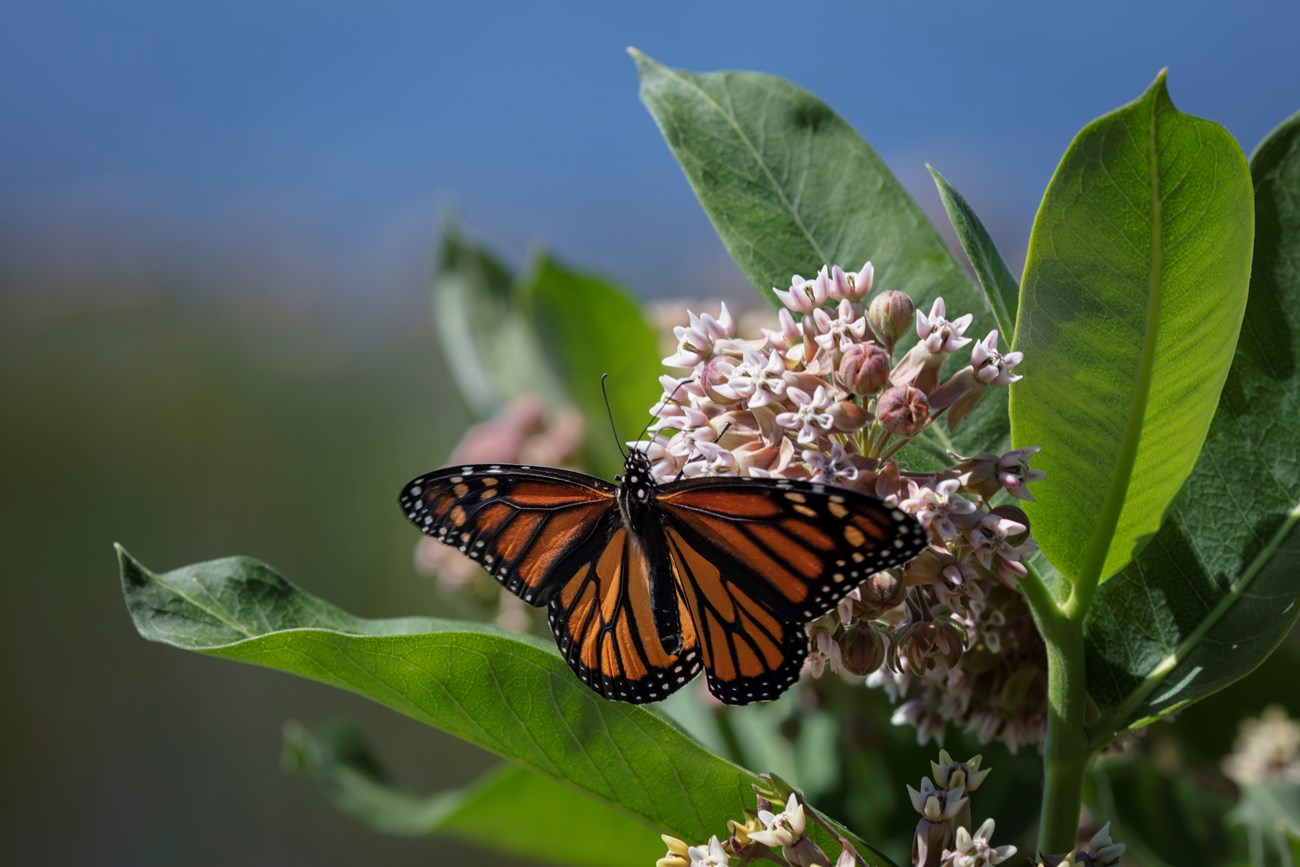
1133	293
1216	590
587	328
791	187
508	809
1001	292
489	344
510	694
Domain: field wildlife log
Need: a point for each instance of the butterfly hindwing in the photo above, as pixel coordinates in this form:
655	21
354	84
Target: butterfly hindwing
520	523
604	623
756	559
749	652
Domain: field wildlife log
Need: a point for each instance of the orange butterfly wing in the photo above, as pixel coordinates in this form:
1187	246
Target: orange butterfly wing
555	537
520	523
603	620
756	559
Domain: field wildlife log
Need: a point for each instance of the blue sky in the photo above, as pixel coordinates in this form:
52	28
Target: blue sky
335	132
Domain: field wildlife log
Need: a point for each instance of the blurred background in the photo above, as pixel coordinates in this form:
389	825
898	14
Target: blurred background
216	227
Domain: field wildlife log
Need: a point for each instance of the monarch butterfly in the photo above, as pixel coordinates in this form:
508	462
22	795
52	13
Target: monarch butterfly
647	582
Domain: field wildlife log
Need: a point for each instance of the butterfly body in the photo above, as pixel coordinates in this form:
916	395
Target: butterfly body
646	583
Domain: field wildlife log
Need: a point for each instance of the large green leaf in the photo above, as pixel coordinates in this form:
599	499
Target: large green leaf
508	809
589	328
1216	590
791	187
490	345
1132	298
510	694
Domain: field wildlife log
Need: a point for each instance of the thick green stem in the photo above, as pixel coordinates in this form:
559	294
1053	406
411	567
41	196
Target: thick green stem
1066	751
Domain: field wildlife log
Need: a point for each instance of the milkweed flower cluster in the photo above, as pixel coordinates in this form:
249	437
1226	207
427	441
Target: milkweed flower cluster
943	837
771	832
834	393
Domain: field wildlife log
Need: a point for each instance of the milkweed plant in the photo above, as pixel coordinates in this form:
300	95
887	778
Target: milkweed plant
1101	454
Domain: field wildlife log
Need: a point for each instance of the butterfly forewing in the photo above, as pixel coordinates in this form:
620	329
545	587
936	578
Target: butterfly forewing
520	523
797	548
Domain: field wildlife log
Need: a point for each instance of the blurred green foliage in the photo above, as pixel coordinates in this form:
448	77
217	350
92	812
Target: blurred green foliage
195	424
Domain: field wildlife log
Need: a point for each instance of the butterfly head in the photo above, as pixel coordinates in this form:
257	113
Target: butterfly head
638	482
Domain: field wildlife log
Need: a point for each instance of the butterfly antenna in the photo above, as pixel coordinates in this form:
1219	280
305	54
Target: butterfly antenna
609	412
726	427
659	407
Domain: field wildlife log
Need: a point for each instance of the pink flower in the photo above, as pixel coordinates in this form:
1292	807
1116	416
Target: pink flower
853	287
937	333
805	296
810	419
992	367
841	332
759	378
695	341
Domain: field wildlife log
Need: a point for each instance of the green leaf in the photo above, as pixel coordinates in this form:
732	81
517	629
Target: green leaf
1217	589
510	694
587	328
790	186
1001	292
490	347
508	809
1133	294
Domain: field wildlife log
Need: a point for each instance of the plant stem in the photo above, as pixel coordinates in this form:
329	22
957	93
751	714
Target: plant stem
1067	750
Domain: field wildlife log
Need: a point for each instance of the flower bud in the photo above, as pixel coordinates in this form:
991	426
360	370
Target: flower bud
847	416
979	475
903	410
891	314
714	376
862	650
678	853
882	591
864	369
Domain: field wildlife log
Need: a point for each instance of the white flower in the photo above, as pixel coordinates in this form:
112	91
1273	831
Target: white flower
842	331
780	829
711	460
835	468
759	378
810	419
937	333
804	296
935	506
975	851
992	367
695	341
709	855
854	287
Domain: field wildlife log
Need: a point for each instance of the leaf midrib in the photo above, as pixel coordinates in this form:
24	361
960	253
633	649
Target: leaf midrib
1118	718
758	158
1113	503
